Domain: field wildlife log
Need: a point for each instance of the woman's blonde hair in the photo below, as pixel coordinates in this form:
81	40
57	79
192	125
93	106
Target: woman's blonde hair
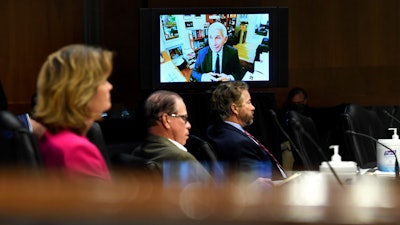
67	82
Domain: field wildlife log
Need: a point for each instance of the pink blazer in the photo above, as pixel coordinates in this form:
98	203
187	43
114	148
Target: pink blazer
73	154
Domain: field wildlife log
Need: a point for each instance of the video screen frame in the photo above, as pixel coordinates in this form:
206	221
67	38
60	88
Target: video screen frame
151	54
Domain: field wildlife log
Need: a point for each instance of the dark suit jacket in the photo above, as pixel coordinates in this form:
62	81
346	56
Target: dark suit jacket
175	163
239	153
230	63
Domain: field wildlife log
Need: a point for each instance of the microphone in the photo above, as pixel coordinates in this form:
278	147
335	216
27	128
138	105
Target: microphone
298	126
288	137
396	163
391	116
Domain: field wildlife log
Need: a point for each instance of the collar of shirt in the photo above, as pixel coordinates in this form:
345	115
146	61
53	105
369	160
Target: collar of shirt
235	125
178	145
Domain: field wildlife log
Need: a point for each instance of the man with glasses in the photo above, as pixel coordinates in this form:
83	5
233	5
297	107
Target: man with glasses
168	129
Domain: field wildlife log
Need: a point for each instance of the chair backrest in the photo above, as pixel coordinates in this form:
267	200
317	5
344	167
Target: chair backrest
360	149
3	98
18	145
204	153
125	161
95	135
200	149
122	160
305	153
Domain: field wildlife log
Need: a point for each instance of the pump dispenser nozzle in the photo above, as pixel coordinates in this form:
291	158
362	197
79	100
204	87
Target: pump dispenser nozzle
335	157
394	136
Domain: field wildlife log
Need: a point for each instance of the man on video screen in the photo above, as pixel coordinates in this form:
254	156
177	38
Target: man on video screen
217	62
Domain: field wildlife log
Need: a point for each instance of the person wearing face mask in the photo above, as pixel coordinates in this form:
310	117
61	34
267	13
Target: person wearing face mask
296	101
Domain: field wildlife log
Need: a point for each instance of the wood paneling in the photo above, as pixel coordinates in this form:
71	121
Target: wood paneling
30	31
121	34
340	51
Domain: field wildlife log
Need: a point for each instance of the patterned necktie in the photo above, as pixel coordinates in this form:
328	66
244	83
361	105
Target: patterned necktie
217	70
280	167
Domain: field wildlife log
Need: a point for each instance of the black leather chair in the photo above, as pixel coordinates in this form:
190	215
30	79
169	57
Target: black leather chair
305	152
200	149
18	145
260	49
204	153
356	148
3	98
95	135
136	165
123	161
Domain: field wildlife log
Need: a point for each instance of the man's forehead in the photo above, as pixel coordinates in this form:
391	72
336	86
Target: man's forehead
245	95
180	106
299	96
215	32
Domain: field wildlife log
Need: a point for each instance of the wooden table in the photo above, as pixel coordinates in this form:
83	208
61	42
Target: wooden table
312	198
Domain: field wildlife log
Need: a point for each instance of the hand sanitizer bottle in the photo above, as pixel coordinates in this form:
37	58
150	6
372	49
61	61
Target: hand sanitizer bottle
346	170
385	158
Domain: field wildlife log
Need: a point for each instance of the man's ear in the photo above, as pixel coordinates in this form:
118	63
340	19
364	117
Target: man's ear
225	39
164	119
234	109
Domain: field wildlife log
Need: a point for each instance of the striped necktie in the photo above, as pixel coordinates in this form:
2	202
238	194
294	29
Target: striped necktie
280	167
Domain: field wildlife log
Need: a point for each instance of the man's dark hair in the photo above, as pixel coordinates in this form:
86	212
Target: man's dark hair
296	90
224	95
160	102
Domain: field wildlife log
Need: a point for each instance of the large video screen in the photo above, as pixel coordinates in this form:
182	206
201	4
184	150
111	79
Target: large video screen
214	45
187	47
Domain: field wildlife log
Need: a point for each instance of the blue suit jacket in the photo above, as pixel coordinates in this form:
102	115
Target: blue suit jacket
239	153
230	63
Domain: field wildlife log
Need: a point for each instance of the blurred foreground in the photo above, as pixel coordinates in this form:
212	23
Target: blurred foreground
312	198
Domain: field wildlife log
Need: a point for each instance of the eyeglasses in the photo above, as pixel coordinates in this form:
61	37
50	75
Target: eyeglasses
184	117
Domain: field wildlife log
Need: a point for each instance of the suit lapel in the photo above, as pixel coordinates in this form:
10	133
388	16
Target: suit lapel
208	60
224	59
232	128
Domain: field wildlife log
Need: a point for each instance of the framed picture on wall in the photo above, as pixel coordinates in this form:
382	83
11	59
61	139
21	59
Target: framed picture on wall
188	24
169	26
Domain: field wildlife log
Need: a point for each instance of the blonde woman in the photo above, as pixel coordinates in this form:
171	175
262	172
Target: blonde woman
73	92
